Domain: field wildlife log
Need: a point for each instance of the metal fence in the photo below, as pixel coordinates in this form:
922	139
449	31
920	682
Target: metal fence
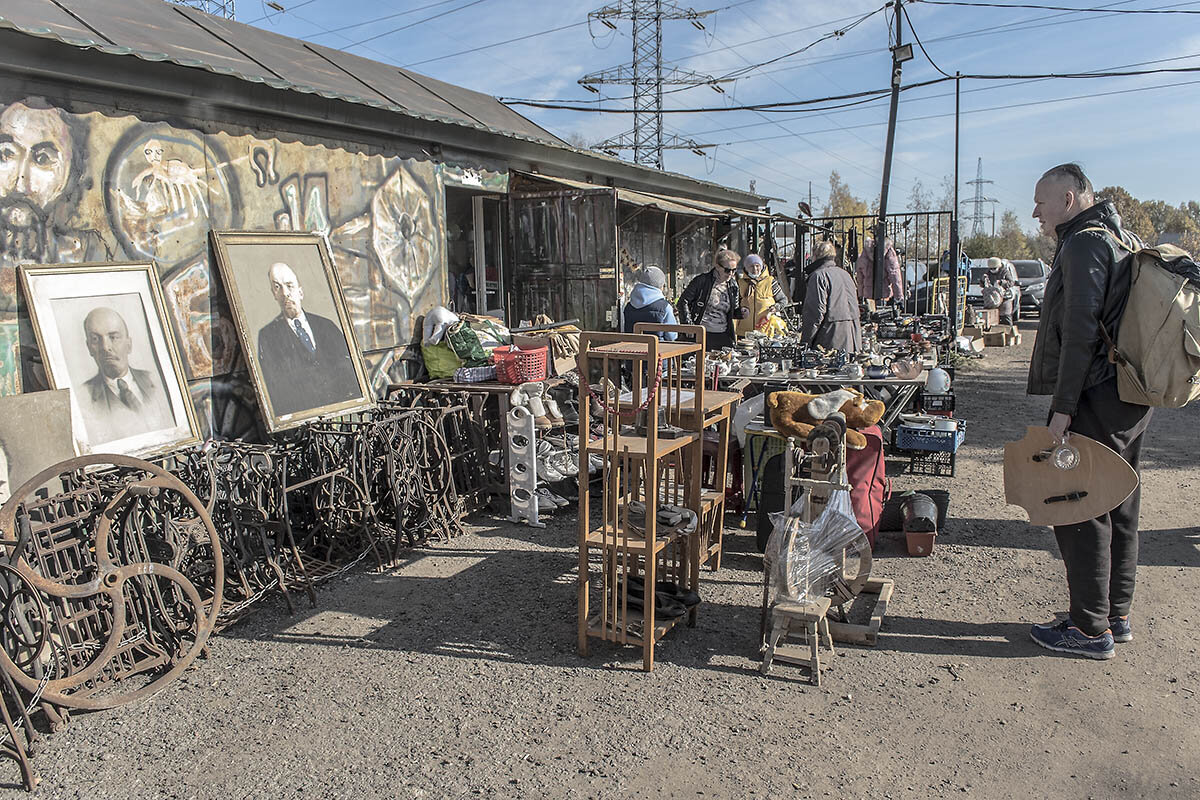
920	239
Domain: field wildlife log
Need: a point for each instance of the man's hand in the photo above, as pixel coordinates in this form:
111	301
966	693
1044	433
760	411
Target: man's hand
1059	424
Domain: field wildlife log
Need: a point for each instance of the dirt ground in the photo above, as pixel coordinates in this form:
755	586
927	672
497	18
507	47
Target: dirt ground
455	675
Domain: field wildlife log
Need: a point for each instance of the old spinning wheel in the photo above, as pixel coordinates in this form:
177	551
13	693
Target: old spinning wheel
104	612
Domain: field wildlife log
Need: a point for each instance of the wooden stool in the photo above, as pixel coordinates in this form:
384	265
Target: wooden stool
811	614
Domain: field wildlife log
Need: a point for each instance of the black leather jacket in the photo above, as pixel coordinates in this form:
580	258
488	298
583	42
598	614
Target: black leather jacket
695	298
1088	285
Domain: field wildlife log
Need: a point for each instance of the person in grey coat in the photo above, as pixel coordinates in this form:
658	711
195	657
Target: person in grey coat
830	304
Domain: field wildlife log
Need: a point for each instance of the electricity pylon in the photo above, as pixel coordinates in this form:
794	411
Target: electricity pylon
978	215
647	77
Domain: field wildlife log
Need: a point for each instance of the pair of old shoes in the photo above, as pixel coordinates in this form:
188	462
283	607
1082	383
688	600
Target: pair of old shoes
545	410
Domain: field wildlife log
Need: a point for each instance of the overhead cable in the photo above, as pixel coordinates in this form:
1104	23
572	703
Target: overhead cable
967	4
802	105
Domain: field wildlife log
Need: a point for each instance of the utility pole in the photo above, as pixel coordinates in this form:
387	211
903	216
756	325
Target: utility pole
900	54
218	8
952	267
647	77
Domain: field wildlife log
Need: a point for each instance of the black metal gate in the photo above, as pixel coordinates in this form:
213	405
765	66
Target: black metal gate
921	240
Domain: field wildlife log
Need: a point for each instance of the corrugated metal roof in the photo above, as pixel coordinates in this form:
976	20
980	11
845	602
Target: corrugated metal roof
159	31
154	30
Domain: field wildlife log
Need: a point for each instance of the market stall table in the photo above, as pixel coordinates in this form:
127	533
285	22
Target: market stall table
894	393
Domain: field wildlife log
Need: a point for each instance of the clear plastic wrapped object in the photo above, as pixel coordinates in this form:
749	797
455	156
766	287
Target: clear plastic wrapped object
800	555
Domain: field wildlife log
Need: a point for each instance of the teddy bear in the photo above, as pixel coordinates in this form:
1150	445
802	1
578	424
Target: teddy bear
796	413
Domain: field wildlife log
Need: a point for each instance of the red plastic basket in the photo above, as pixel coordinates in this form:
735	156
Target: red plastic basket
520	366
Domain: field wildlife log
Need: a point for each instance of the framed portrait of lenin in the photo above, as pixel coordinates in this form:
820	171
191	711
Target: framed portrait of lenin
293	326
103	333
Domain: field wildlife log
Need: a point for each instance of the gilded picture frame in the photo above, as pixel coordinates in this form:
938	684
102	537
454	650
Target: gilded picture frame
293	326
104	333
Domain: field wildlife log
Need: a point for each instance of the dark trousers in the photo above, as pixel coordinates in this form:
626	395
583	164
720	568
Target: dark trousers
1101	554
715	341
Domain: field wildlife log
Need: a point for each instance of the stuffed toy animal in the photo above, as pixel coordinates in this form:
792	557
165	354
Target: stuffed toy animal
796	413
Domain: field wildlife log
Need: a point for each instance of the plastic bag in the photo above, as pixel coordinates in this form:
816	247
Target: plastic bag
440	360
437	321
465	344
800	555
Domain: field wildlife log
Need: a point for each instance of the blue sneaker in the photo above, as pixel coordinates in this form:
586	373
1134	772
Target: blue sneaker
1064	637
1122	631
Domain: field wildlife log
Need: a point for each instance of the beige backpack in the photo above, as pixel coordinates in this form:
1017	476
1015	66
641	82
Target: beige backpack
1157	352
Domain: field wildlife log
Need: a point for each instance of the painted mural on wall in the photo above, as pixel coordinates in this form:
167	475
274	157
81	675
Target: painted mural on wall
77	187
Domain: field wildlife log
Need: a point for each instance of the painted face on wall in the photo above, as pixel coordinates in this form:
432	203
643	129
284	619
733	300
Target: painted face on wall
35	163
154	151
108	341
286	288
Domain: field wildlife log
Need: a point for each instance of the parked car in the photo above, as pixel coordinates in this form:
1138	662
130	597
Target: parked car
975	281
1033	274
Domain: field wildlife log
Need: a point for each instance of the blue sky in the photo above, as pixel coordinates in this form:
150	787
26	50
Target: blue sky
1146	140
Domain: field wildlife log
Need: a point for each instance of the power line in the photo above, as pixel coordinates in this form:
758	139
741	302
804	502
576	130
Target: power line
1026	104
438	15
1053	8
1026	24
268	16
496	44
377	20
922	99
928	57
799	105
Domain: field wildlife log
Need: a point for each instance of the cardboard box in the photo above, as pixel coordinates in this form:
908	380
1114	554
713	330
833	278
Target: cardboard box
555	366
1006	336
972	332
989	317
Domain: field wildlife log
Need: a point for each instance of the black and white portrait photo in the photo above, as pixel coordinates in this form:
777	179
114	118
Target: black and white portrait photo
104	336
294	326
35	433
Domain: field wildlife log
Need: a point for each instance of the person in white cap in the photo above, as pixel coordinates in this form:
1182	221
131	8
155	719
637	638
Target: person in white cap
760	293
647	303
1003	275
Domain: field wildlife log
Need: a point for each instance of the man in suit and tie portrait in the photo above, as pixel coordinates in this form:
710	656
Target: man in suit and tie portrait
304	357
119	401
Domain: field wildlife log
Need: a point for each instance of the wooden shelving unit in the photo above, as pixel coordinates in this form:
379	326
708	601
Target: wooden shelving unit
644	468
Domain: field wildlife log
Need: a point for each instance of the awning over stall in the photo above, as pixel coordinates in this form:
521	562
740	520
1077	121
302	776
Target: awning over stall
670	204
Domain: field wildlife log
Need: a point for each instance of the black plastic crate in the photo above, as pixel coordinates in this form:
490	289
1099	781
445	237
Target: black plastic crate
929	462
936	402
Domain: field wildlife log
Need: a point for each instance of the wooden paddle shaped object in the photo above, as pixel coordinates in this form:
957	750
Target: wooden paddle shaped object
1099	481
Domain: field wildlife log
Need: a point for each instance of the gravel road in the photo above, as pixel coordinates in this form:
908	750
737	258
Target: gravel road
455	675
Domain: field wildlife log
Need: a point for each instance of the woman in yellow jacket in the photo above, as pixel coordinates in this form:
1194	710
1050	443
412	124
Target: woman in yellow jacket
760	294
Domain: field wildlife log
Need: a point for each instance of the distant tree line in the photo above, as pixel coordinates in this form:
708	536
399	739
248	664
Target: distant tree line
1154	221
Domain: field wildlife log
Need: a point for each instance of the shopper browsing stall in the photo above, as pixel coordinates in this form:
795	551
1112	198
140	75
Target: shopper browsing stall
760	293
712	300
648	304
893	288
830	317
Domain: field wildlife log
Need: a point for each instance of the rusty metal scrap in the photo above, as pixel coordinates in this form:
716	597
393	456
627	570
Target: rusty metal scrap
116	617
113	578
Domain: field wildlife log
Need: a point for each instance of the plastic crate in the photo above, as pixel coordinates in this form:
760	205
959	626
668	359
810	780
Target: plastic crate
937	403
780	349
520	366
913	438
931	462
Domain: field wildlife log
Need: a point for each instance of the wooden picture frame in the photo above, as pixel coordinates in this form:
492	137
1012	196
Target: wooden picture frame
103	332
278	280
